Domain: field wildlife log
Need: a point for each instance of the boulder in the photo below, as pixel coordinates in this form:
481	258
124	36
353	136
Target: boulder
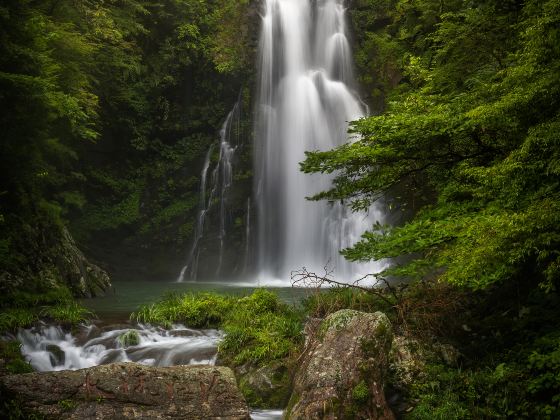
343	368
129	391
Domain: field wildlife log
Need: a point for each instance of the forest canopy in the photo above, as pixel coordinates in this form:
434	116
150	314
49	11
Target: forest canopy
107	108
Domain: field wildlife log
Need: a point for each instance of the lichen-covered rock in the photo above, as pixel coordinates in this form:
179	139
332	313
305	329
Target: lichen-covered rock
129	391
343	368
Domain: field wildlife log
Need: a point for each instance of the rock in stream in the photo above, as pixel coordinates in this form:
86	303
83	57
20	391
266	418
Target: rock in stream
129	391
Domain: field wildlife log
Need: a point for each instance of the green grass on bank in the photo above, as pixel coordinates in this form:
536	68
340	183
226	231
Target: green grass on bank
22	309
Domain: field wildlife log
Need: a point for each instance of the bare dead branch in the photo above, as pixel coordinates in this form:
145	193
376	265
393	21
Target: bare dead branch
305	278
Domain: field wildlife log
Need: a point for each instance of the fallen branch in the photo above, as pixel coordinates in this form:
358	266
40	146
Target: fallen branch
305	278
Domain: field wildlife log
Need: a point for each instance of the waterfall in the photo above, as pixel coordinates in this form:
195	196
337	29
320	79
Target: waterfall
305	101
247	235
220	181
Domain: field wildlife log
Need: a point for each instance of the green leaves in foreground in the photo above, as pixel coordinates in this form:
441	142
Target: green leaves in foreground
471	148
259	328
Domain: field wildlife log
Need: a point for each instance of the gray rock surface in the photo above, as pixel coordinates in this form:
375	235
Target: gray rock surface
130	391
84	278
343	368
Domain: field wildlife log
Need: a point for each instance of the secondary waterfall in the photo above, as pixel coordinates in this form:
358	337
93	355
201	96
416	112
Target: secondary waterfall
305	102
220	182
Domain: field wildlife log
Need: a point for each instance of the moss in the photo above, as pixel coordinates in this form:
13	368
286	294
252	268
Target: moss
360	393
129	338
336	321
67	405
294	399
251	396
268	386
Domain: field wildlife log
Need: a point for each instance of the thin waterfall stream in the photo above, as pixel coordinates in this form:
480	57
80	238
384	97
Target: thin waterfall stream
220	182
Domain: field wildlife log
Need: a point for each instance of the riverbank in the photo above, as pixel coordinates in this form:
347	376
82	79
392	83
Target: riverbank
456	353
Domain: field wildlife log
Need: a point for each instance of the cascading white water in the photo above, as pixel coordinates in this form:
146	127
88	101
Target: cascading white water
220	182
305	103
50	348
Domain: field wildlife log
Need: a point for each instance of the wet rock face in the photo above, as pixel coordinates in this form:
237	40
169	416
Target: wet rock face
130	391
343	369
84	278
266	386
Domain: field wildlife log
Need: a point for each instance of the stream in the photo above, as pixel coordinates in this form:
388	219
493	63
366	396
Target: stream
113	338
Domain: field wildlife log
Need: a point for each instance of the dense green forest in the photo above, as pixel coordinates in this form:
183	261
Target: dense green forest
469	138
108	109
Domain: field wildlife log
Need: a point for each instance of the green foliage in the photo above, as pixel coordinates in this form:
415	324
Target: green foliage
458	394
507	338
360	393
21	309
259	328
66	405
544	366
129	338
325	302
13	361
13	409
469	143
107	110
12	319
67	313
25	299
201	310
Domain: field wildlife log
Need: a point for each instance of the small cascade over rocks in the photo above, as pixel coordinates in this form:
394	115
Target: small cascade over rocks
50	348
305	102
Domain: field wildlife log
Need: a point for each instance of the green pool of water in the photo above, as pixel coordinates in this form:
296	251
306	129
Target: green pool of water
127	296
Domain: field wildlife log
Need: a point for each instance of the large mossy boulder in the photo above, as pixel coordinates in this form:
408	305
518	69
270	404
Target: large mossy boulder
343	368
128	391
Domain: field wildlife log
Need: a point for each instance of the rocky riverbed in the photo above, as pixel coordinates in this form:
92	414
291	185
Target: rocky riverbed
340	373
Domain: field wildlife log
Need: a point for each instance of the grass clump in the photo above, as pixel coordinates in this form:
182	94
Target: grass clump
11	319
197	310
13	361
324	302
129	338
67	312
22	309
260	329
